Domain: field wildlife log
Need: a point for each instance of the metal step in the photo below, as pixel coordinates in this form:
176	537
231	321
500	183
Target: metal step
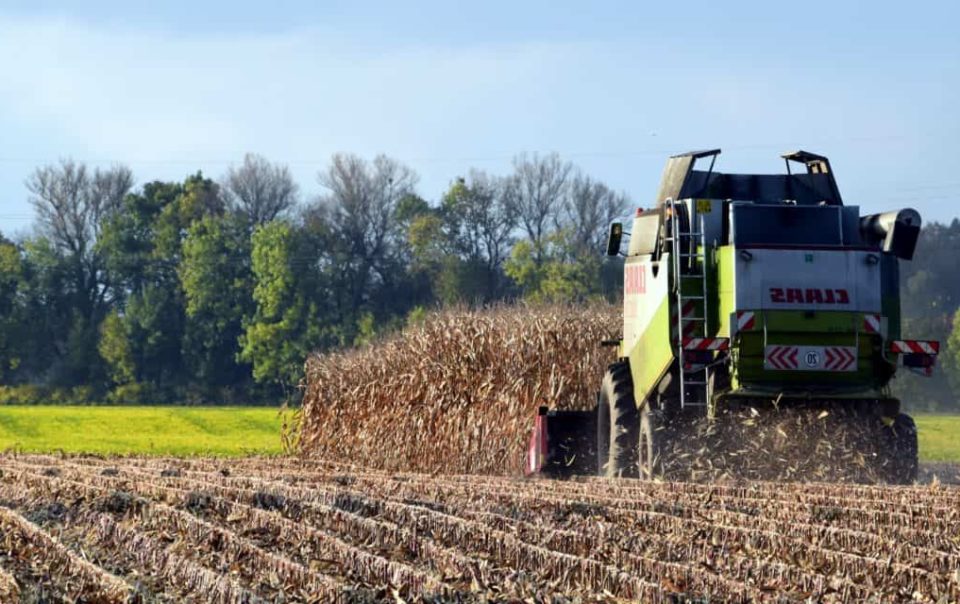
697	389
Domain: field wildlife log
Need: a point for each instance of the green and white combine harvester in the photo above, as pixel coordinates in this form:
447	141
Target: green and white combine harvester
744	290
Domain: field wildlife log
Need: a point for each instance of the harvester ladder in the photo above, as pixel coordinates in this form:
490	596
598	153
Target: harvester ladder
689	251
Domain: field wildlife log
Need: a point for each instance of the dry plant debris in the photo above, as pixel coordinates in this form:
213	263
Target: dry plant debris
458	392
307	530
783	444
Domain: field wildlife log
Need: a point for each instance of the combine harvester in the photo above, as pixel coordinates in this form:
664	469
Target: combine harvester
747	291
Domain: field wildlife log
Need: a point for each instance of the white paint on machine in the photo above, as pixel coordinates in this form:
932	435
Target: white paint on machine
643	293
797	279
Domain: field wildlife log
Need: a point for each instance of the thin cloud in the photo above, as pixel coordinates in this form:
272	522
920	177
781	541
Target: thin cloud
169	103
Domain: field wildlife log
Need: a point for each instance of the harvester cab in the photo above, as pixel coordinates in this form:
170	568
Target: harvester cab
747	291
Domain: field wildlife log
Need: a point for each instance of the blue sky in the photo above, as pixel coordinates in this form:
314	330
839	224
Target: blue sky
172	87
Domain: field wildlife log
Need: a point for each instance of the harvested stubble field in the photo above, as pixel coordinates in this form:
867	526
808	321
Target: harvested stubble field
86	529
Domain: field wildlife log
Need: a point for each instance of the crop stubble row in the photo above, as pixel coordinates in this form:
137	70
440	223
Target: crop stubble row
117	530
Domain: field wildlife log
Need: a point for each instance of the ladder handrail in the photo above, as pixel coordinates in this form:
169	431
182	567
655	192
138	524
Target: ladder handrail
696	231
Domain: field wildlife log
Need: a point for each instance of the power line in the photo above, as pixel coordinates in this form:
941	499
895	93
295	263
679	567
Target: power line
658	151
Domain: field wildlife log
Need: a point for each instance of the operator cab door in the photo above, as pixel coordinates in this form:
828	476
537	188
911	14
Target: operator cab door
644	283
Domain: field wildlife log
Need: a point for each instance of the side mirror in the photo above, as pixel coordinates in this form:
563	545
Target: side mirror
613	240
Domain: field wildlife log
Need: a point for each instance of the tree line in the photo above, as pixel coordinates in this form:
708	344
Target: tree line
209	291
930	303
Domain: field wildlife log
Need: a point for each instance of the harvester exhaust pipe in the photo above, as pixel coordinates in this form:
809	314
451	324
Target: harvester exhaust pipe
897	231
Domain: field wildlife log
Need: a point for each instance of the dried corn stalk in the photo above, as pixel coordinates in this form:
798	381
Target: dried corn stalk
88	581
9	590
458	392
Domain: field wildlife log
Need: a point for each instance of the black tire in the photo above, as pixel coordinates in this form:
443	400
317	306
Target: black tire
901	450
650	443
618	424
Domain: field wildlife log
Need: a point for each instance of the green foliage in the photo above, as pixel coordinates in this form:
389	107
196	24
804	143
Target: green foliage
23	394
930	299
522	267
216	278
134	393
951	358
561	271
366	329
29	394
116	349
11	274
427	242
287	323
129	239
416	316
166	240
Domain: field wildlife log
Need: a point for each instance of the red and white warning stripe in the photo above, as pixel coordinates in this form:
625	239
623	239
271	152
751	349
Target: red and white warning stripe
746	319
871	323
915	346
689	327
838	358
706	343
782	357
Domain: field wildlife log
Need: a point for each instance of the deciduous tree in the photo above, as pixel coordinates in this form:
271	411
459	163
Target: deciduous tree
217	283
536	191
259	190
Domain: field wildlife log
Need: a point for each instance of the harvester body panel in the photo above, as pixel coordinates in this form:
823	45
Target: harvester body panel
646	319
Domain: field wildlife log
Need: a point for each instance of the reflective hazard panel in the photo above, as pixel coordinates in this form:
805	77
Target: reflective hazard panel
810	358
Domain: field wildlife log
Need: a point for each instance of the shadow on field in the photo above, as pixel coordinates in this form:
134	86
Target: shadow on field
946	473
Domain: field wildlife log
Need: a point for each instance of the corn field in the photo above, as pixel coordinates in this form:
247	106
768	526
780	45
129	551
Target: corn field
457	393
286	530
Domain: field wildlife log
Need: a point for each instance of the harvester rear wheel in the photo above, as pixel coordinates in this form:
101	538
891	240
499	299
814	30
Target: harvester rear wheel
650	444
901	450
618	424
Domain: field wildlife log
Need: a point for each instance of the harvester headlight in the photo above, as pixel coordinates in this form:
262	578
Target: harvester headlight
746	256
872	259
